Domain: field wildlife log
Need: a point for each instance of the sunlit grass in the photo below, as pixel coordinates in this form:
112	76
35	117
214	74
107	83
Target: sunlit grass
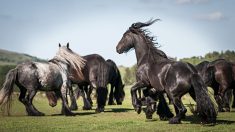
115	118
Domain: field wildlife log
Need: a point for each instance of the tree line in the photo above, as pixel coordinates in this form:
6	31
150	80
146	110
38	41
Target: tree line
129	72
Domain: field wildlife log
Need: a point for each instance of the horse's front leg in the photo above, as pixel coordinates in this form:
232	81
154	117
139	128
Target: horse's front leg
135	102
102	93
73	99
65	107
111	102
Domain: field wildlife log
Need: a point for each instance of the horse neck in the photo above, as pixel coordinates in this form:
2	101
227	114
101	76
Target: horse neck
61	64
143	52
119	79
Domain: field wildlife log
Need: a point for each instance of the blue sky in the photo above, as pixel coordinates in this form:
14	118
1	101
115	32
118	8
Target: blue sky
187	27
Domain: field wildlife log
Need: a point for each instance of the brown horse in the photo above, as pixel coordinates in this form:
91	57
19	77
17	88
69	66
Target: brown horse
217	74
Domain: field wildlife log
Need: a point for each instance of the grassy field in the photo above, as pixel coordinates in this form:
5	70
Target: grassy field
115	118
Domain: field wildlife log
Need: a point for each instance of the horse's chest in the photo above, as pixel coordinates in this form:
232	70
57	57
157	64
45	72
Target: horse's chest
143	75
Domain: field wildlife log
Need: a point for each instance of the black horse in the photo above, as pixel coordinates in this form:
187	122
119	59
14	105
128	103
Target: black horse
115	80
218	74
95	75
154	70
233	85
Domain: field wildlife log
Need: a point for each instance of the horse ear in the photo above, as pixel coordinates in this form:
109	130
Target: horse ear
59	45
133	30
68	45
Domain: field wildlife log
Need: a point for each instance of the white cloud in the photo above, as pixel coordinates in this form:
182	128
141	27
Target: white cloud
214	16
191	1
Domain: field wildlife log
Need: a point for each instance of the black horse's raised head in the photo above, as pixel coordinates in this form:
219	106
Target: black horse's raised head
126	43
129	37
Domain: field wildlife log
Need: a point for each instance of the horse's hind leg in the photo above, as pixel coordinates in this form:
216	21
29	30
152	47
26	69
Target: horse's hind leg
88	90
227	100
182	110
22	97
220	97
32	110
163	109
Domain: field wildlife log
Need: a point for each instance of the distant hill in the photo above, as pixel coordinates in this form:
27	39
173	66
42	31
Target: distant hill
13	58
9	60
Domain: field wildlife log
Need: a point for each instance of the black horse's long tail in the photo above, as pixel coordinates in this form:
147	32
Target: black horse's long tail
7	90
205	107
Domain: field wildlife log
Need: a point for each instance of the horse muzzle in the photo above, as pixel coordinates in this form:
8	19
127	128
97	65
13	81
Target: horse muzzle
119	51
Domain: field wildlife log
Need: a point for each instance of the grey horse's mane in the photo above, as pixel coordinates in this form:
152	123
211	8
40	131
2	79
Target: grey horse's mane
73	59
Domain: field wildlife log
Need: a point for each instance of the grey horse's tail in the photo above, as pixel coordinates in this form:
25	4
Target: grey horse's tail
205	107
7	90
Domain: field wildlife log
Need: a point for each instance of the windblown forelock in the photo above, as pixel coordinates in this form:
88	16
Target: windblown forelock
75	60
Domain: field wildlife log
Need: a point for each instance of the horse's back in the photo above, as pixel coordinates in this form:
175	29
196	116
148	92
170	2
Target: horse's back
40	75
50	75
223	70
95	69
27	74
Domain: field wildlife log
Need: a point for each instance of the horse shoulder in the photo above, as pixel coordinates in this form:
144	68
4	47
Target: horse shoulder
49	75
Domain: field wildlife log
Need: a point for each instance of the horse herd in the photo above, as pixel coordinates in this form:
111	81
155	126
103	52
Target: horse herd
156	74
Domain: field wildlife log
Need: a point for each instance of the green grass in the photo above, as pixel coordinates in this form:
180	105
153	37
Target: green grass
115	118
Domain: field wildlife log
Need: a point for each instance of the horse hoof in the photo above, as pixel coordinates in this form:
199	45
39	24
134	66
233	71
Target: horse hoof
99	110
227	109
163	118
138	110
36	114
69	114
40	114
111	103
174	121
149	117
86	108
119	103
73	108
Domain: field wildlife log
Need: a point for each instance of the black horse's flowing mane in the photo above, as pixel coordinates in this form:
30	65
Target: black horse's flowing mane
150	40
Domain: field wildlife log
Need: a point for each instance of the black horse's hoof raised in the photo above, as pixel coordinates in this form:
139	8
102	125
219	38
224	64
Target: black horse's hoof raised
174	121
